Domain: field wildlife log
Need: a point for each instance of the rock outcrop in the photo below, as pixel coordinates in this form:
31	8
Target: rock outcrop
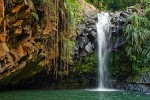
25	38
86	38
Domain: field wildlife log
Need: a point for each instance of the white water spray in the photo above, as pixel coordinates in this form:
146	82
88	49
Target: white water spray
103	33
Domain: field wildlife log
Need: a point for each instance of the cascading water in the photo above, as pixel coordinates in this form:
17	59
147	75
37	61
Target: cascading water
103	35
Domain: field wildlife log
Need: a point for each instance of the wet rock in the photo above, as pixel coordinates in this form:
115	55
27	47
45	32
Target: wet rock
94	17
89	47
93	27
124	15
83	53
91	21
82	41
85	41
138	88
94	34
89	29
145	79
81	27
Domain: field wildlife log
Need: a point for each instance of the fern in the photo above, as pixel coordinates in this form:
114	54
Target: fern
138	42
138	30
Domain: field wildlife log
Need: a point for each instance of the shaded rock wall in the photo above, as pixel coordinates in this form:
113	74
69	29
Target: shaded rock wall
86	38
26	36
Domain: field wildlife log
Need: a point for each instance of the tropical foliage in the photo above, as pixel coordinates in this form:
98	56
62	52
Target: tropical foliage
113	4
138	41
134	57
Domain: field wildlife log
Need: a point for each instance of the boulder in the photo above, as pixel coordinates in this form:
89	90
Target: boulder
89	47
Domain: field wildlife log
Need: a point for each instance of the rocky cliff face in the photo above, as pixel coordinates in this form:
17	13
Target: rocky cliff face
33	36
86	38
27	39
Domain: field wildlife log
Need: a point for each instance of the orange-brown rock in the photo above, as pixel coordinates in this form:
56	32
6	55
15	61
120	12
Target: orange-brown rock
20	51
2	38
47	29
14	1
1	10
22	38
18	31
9	61
3	47
28	30
22	64
25	1
14	55
26	12
18	23
9	58
27	47
2	54
17	8
30	57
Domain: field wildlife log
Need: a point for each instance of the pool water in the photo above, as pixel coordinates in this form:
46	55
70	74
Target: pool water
71	95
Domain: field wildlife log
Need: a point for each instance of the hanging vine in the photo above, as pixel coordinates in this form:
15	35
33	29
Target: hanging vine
60	19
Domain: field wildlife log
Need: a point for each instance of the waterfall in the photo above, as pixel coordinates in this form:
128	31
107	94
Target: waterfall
103	35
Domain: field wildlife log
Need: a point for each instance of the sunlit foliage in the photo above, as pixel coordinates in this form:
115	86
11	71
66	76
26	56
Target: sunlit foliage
113	4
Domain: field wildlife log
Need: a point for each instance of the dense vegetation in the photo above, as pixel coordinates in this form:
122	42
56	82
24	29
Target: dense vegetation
134	57
113	4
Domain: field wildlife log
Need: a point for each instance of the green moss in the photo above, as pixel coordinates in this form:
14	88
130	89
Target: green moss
120	65
87	64
82	74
